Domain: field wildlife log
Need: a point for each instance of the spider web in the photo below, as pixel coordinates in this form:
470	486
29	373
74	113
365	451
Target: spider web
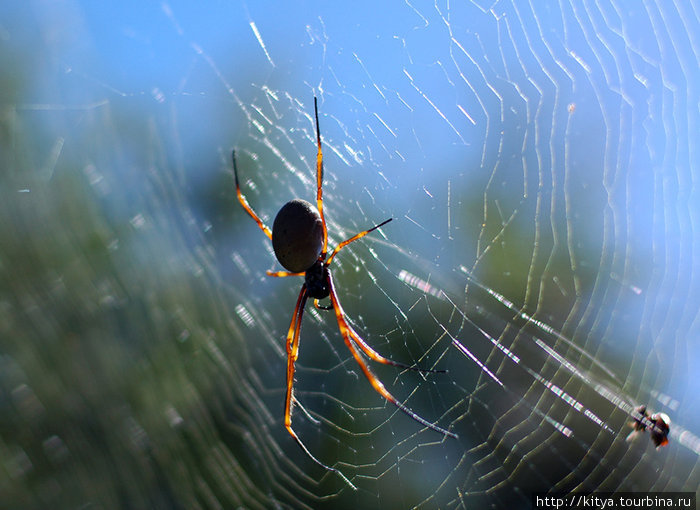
538	162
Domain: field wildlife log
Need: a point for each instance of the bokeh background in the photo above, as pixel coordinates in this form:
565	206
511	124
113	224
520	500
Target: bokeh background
540	164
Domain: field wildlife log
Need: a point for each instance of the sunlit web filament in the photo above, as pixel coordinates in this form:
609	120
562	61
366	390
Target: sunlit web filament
542	325
555	389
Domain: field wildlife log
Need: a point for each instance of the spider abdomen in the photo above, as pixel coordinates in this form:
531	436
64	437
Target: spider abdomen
297	235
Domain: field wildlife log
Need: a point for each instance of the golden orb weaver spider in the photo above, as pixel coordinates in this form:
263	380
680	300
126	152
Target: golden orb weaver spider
300	241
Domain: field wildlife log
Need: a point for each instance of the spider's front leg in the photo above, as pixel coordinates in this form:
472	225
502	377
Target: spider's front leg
244	202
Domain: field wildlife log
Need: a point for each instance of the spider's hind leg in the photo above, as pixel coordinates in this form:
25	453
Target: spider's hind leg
364	346
292	347
352	339
375	356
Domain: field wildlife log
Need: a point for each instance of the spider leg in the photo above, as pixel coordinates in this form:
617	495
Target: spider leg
283	273
355	238
244	202
319	183
319	306
371	353
375	356
348	336
292	347
292	355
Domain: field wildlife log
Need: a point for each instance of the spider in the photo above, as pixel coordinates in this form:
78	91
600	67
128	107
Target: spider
300	241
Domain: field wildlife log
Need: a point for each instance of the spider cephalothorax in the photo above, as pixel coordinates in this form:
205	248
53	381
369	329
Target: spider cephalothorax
316	279
300	239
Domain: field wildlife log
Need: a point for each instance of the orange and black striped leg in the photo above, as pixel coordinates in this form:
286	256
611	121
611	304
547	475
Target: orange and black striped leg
283	273
292	348
244	202
347	333
355	238
319	183
319	306
292	355
375	356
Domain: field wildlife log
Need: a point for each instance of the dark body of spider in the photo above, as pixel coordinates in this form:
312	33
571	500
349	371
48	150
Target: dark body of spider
297	240
316	279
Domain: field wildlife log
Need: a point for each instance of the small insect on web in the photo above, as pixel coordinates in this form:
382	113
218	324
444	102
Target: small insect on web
658	424
300	241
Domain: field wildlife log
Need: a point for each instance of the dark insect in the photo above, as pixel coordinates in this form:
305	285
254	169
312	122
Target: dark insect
659	425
